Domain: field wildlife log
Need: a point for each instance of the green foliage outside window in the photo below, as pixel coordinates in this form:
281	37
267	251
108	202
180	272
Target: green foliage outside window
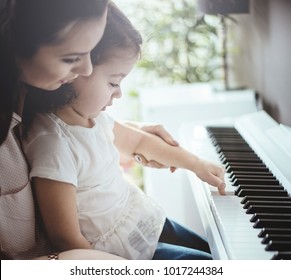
180	44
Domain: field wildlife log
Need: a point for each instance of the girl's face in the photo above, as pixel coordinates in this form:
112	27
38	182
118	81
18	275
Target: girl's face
54	65
97	92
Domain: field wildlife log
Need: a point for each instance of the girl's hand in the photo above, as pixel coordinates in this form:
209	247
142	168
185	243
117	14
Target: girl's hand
211	173
160	131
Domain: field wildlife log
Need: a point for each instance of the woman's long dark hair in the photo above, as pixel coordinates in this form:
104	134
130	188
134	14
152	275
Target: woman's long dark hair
44	101
25	25
8	69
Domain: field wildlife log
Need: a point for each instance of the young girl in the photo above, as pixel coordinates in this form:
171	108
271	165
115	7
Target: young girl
84	199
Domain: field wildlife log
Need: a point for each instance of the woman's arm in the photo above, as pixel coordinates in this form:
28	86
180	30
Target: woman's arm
133	141
58	206
158	130
83	254
155	129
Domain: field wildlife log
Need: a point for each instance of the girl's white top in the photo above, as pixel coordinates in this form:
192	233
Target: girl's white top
114	215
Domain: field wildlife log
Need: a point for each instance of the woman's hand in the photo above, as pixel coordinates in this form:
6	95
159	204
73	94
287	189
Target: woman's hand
160	131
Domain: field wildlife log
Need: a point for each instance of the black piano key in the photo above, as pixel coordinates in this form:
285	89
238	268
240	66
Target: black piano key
265	231
225	149
222	130
240	161
264	202
246	168
227	140
236	145
223	136
261	223
273	216
234	176
252	181
275	237
237	159
268	209
234	154
239	155
259	186
278	246
228	145
263	192
253	188
239	180
265	198
230	139
282	256
250	173
250	164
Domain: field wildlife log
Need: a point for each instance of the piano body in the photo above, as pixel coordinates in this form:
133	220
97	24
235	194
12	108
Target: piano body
253	220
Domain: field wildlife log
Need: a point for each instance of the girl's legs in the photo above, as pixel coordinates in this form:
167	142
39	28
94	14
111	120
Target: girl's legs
167	251
177	242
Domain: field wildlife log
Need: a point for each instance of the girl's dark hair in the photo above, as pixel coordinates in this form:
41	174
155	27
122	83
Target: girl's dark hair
25	25
119	34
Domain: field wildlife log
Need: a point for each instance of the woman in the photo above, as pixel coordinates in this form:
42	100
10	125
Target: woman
44	44
45	53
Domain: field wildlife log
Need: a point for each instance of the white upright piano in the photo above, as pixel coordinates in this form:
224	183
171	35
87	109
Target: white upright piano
253	220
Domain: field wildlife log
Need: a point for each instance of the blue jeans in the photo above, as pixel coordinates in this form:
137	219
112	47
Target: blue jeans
179	243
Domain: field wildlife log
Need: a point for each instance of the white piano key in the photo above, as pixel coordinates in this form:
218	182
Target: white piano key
236	229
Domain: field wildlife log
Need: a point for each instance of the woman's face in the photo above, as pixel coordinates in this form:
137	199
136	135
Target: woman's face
54	65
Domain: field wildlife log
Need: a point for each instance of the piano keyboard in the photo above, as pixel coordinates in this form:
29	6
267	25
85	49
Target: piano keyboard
254	219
